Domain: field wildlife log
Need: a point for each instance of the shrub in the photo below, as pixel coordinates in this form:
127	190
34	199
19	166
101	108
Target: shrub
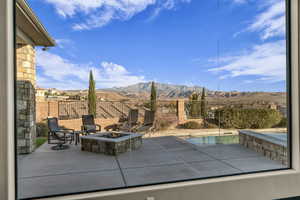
247	118
147	105
195	106
161	125
191	125
41	129
282	123
209	125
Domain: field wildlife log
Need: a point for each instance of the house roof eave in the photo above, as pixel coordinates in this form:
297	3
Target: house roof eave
28	22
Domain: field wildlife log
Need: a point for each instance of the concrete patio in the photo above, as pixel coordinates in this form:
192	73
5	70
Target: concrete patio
48	172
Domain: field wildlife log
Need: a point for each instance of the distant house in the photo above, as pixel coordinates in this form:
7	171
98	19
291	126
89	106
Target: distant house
57	98
272	106
53	91
29	34
40	94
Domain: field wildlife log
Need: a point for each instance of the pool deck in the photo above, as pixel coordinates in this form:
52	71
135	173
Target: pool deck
164	159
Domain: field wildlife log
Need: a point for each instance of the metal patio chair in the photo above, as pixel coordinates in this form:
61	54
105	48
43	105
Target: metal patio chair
126	124
59	136
148	125
88	124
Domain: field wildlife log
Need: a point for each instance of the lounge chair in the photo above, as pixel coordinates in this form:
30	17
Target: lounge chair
125	124
88	125
59	136
148	125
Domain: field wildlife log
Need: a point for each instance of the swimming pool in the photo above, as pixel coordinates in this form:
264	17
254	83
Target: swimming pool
210	140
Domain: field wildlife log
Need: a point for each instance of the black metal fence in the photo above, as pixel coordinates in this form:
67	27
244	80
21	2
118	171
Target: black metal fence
104	109
112	109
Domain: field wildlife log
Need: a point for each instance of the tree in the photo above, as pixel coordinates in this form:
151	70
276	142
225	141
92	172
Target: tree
203	104
92	96
153	97
195	108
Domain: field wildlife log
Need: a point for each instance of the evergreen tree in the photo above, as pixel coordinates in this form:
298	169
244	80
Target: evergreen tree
195	107
92	96
153	97
203	104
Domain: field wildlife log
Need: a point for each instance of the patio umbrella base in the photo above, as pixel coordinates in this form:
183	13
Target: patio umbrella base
59	147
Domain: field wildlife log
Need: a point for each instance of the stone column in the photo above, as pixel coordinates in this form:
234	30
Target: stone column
181	111
26	111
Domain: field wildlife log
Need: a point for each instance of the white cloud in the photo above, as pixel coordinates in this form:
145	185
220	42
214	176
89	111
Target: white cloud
114	75
63	43
240	1
270	22
98	13
64	74
166	5
268	61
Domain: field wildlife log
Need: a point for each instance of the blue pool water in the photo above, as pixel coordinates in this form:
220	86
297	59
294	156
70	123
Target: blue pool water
206	140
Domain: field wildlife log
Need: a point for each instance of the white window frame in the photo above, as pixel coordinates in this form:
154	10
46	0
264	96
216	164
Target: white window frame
266	185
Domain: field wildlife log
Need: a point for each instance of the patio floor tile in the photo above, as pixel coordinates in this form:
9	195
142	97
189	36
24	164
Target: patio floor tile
158	174
213	168
254	164
233	151
42	164
192	155
69	183
136	159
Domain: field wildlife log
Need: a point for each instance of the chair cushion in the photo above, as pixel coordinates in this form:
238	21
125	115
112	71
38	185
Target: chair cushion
90	127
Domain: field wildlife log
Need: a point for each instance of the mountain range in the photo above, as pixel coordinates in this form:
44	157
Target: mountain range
171	91
163	90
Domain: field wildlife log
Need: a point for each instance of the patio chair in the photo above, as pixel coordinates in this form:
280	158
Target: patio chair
59	136
125	124
89	125
148	125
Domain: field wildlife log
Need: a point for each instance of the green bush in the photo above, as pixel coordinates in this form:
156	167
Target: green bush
161	125
209	125
191	125
247	118
282	123
41	129
147	105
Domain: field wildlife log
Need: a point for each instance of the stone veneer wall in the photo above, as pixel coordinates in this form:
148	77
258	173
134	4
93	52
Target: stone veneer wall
26	80
109	147
271	150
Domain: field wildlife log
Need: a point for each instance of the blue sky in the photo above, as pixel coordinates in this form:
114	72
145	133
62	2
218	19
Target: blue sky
218	44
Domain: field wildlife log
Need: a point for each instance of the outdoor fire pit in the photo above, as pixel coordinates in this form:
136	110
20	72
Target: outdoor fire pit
111	143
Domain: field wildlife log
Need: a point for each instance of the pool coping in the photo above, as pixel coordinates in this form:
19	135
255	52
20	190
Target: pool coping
265	136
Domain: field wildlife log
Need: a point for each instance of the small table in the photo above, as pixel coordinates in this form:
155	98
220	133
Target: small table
77	136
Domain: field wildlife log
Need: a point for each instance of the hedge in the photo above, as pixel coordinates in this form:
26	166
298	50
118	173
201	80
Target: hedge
247	118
